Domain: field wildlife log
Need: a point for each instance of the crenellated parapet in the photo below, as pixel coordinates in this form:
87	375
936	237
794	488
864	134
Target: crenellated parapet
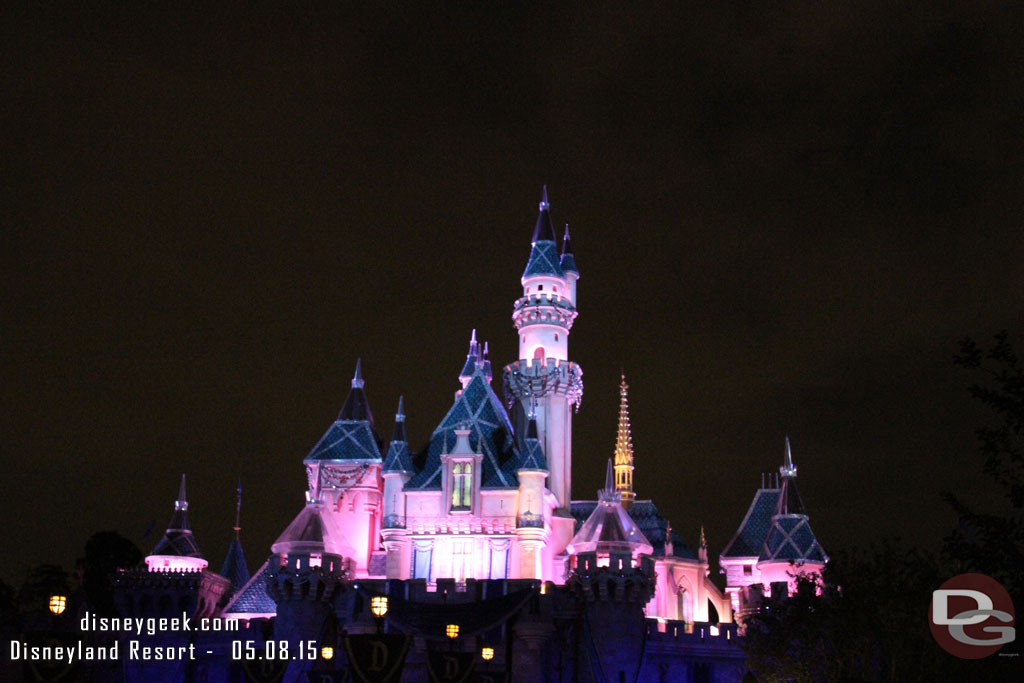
543	308
543	377
304	577
622	579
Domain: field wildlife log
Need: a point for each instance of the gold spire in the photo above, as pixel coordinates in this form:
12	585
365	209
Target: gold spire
624	449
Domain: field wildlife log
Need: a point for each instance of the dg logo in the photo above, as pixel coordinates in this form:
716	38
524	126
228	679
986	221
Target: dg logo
971	616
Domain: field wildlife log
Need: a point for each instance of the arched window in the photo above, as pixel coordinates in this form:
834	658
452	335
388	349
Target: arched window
539	352
462	486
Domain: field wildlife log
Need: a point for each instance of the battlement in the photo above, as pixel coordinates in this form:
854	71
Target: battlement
619	578
543	376
545	308
662	633
304	576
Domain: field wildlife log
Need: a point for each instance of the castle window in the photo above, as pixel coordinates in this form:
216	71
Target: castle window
540	288
462	552
539	352
499	558
421	556
462	486
556	337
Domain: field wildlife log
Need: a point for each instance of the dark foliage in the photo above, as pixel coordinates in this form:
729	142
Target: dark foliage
106	552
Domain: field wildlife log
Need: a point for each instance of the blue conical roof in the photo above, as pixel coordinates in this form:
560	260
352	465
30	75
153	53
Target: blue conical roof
790	538
567	262
398	458
235	568
352	436
544	258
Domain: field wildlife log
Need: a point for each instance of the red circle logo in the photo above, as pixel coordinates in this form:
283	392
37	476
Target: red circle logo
971	616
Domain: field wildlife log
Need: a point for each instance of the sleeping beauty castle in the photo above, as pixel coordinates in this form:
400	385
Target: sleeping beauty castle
470	560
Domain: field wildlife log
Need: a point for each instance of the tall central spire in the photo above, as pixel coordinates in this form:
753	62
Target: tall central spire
624	449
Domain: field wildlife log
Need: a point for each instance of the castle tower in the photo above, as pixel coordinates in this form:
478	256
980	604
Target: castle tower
344	473
624	450
177	550
235	568
613	576
543	375
532	472
790	548
398	469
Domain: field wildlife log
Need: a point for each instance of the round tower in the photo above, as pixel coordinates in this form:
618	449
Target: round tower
543	375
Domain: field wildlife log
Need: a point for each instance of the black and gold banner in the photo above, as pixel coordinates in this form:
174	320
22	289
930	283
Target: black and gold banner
377	658
450	667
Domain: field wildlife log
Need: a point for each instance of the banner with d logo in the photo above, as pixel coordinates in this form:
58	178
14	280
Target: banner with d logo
377	658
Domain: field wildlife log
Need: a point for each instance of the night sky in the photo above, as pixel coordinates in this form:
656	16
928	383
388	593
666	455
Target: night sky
785	215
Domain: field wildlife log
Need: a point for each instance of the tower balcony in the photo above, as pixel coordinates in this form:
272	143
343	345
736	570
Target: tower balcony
543	377
545	308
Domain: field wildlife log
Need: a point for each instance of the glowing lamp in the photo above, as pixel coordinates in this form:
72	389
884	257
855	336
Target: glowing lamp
58	603
379	605
327	652
452	630
487	653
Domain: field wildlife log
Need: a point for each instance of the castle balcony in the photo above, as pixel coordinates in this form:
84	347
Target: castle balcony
542	377
543	309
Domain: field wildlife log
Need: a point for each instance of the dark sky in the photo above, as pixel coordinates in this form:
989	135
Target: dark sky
785	215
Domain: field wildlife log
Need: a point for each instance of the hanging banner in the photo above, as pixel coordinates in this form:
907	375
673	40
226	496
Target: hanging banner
377	657
450	667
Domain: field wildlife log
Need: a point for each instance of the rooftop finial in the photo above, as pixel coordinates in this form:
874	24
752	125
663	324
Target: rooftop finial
182	502
357	378
788	469
400	415
544	204
238	509
487	350
703	538
609	483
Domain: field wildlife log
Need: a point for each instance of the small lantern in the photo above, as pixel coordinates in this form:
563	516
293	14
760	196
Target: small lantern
487	653
379	605
58	603
452	630
327	652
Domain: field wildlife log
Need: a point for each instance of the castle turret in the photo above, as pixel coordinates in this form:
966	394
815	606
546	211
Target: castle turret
530	527
613	576
235	568
177	549
568	265
790	549
344	471
303	575
398	469
543	316
624	450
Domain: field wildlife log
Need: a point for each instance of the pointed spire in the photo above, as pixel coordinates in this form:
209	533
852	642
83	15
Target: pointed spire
357	407
399	432
238	510
235	569
568	260
398	458
182	502
624	448
543	231
788	469
608	493
790	502
357	378
703	538
486	362
472	358
669	547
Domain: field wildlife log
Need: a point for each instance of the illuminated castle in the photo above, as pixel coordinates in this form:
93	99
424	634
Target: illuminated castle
479	533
